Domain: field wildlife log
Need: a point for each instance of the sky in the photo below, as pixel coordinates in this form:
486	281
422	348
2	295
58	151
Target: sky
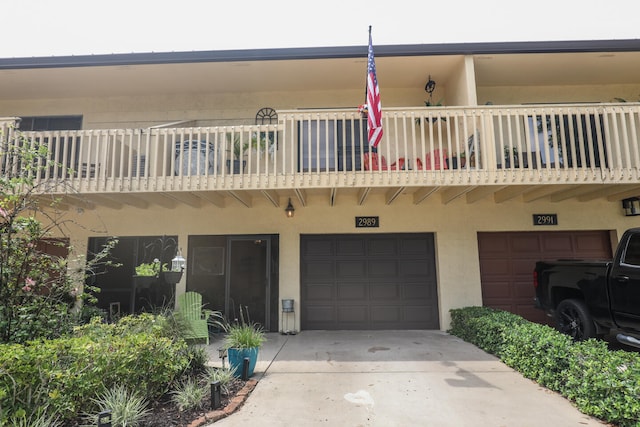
80	27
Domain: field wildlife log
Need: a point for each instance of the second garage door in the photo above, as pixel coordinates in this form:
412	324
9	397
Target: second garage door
507	260
375	281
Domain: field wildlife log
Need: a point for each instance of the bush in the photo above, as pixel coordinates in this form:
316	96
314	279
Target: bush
600	382
66	373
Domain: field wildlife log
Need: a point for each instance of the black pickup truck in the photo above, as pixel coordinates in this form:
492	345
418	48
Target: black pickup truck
590	298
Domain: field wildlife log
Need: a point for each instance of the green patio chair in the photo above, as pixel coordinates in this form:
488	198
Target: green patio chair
196	318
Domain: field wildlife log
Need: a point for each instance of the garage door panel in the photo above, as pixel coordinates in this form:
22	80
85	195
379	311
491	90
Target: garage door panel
321	313
493	244
353	314
319	247
392	285
593	243
320	291
355	268
382	247
422	246
386	314
506	268
420	314
319	270
418	292
524	243
351	247
348	292
409	268
384	291
383	268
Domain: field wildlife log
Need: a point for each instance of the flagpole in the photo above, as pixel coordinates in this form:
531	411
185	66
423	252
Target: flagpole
365	80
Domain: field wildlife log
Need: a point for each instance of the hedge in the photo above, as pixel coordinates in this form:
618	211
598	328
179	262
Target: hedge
600	382
65	374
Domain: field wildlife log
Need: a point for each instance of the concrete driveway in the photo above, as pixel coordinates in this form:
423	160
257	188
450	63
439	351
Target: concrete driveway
393	378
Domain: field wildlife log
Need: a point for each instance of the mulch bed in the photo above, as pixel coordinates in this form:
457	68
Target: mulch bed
165	414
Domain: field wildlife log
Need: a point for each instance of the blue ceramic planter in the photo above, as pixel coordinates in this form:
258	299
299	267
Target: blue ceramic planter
236	358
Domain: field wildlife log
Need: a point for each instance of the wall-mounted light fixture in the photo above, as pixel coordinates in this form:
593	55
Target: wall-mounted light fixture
631	206
289	210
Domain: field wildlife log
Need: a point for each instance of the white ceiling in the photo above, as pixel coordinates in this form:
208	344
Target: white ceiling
315	74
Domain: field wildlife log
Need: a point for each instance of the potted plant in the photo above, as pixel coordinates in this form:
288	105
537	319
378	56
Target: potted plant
243	340
147	273
510	153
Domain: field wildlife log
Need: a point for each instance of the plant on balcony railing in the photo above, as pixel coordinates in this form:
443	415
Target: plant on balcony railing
261	142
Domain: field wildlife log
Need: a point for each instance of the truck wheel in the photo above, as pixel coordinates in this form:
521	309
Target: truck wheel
573	318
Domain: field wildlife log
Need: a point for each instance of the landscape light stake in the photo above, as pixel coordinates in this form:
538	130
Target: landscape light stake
215	395
245	369
104	419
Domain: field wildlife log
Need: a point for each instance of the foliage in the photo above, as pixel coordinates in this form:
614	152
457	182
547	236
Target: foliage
242	333
38	293
224	376
151	269
137	353
189	394
127	408
600	382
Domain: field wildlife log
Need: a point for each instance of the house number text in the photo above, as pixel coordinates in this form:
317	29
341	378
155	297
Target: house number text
367	221
545	219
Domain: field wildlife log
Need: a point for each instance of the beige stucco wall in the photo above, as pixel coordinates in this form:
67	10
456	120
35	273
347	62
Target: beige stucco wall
455	225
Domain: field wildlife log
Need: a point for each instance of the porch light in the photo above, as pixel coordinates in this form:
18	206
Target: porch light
178	263
289	210
631	206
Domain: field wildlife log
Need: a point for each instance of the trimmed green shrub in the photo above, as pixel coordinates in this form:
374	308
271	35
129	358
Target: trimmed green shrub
601	383
66	373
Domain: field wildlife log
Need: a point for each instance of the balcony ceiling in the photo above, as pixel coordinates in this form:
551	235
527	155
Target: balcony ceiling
315	74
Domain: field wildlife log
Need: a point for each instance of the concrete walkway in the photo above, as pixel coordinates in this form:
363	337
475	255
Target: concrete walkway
392	378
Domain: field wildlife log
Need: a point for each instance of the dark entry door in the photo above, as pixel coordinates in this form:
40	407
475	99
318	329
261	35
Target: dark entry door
248	282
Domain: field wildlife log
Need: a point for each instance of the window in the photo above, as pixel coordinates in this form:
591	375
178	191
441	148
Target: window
330	145
38	123
632	251
63	150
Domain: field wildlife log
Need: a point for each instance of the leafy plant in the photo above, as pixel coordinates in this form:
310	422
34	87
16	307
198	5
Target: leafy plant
189	394
224	376
38	292
151	269
243	333
127	408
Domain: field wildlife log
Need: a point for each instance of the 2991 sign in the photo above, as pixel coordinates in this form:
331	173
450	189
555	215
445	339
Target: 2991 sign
545	219
367	221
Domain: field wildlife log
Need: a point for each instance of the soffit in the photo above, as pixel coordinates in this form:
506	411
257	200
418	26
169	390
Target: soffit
316	74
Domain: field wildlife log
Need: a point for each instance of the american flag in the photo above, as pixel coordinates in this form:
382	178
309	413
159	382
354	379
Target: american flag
374	121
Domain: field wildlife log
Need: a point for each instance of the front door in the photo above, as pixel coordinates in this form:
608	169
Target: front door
233	271
248	280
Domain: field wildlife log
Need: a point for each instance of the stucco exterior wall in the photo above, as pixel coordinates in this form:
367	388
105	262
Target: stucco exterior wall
455	225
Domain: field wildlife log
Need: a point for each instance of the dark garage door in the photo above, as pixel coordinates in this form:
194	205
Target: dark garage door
507	260
374	281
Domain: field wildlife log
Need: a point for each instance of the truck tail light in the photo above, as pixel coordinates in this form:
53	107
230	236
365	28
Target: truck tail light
535	279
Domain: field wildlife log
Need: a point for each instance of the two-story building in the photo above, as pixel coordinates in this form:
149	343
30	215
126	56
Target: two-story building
255	164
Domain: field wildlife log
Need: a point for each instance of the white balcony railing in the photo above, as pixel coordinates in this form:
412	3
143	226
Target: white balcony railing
587	143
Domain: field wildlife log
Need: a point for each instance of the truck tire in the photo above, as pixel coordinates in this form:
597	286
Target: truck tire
572	318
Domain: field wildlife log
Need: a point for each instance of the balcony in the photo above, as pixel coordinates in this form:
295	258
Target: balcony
582	151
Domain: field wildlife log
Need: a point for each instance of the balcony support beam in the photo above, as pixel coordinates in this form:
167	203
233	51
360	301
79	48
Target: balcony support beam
186	198
541	192
272	196
510	193
302	196
106	201
423	194
635	192
241	197
453	193
211	197
128	199
392	194
362	195
480	193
